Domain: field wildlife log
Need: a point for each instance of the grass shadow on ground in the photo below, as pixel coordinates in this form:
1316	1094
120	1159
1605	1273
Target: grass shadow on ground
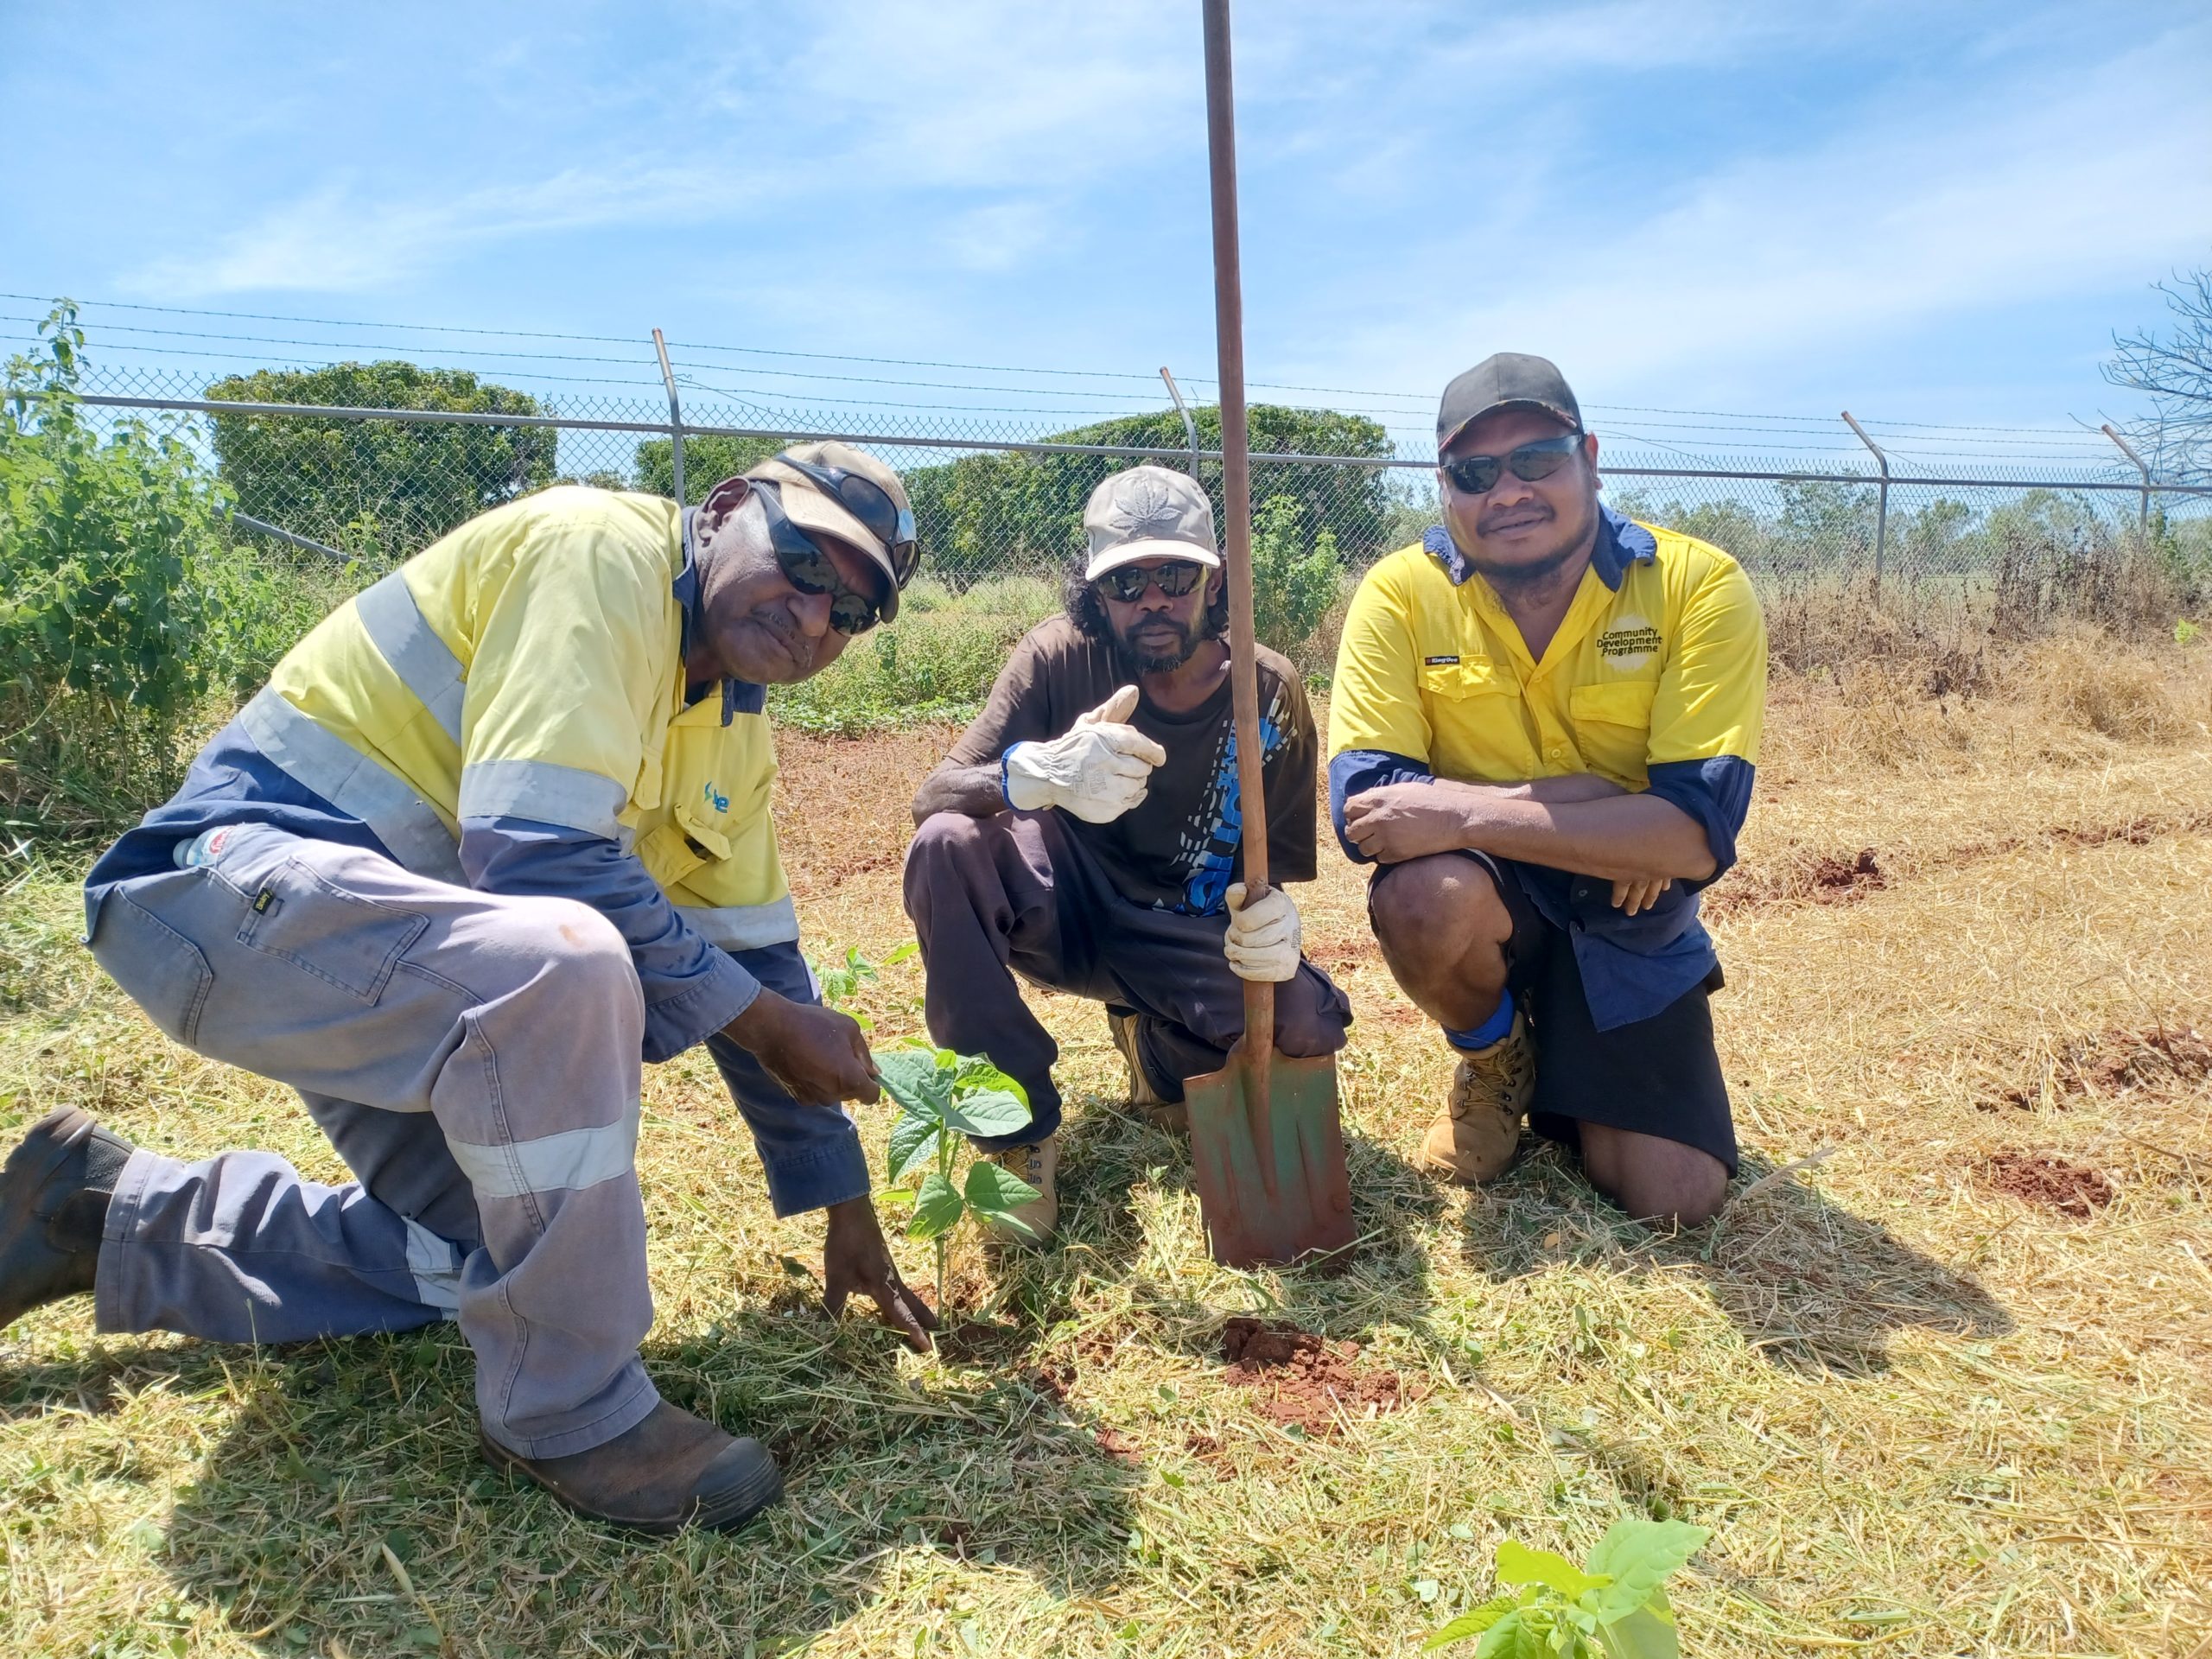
335	1453
1812	1286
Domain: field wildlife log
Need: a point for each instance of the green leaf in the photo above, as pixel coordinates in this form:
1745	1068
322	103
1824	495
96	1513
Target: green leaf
912	1077
1639	1555
994	1189
1473	1622
1641	1635
988	1112
1518	1564
1503	1639
914	1141
937	1208
974	1072
913	947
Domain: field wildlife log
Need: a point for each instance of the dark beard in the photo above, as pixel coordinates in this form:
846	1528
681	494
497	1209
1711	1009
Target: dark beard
1188	639
1524	578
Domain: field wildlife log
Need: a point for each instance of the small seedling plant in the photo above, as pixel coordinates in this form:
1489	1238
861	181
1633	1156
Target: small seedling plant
841	981
1614	1608
944	1098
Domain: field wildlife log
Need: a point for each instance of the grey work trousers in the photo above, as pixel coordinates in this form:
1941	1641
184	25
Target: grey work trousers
475	1060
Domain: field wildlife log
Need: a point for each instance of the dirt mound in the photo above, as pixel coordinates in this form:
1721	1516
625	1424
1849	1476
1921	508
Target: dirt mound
1304	1380
2050	1181
1828	879
2116	1062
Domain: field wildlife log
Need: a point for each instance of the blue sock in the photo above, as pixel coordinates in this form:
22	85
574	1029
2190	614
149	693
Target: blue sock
1490	1030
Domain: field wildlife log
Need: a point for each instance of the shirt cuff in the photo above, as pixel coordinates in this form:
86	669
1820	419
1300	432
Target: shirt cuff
1357	771
724	991
1717	792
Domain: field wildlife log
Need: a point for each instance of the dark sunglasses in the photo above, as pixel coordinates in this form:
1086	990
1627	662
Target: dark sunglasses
1478	474
811	571
1126	582
870	503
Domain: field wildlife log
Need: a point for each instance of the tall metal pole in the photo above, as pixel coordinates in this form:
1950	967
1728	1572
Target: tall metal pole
1237	504
1882	521
2142	520
1190	426
675	417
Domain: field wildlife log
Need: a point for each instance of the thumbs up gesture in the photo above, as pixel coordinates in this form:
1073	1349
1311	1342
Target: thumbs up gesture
1099	770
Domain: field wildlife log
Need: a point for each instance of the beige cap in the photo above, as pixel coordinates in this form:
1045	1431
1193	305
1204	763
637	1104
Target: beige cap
810	508
1147	512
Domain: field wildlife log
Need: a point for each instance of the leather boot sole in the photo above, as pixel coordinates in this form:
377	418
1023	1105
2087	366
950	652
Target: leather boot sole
737	1486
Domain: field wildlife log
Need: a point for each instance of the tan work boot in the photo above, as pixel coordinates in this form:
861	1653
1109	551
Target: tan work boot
1144	1100
1490	1091
1035	1165
671	1472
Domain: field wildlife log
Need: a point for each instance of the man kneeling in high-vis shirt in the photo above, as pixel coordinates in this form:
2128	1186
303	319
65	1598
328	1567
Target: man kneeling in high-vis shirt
1543	726
495	833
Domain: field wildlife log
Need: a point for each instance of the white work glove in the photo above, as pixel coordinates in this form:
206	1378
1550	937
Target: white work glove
1099	770
1262	941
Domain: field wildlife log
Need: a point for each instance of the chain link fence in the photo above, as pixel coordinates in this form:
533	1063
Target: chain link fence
994	499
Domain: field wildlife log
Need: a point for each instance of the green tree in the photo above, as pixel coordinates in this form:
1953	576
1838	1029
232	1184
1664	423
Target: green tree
110	598
1295	572
1000	511
380	489
707	460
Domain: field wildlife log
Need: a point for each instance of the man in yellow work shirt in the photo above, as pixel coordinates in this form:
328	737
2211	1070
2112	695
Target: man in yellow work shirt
495	833
1543	727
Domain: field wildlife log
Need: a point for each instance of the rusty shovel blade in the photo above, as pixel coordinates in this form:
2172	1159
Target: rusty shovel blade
1268	1156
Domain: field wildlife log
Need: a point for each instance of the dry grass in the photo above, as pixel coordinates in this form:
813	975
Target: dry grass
1925	1411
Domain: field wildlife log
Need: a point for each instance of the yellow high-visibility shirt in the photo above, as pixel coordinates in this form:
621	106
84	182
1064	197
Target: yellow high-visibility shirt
530	664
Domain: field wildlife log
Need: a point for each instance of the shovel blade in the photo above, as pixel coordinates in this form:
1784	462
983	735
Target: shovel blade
1268	1156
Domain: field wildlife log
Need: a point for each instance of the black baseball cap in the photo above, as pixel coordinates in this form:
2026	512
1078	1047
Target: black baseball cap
1505	380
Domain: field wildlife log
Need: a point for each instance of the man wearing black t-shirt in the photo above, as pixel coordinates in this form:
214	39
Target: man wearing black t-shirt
1085	832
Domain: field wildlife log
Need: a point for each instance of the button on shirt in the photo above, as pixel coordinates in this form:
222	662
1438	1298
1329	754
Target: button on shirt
1655	680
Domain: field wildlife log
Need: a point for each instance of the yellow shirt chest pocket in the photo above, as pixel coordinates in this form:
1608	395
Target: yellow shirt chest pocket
715	834
1612	727
1479	728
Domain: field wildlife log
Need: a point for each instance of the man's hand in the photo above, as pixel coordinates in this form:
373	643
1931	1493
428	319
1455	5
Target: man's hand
1263	935
1098	770
1402	821
816	1053
1631	896
855	1258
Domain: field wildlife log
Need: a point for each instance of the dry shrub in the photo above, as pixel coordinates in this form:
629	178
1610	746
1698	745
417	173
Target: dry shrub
2084	679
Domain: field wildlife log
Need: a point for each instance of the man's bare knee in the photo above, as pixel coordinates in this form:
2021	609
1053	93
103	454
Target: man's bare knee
1430	907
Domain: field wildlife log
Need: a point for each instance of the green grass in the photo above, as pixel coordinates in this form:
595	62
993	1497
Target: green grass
1922	1417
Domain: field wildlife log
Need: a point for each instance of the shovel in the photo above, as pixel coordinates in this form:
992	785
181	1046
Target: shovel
1267	1151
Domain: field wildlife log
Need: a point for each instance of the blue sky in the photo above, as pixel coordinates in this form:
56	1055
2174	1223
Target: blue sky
1924	212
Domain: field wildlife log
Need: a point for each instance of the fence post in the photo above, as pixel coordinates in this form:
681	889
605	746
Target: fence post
675	417
2143	520
1190	426
1882	518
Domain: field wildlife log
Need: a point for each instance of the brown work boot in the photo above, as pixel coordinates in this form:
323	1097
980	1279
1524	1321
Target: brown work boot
671	1472
1490	1091
1036	1165
1145	1101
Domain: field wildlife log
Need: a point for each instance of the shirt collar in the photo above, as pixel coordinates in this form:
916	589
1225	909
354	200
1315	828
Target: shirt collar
739	697
1621	543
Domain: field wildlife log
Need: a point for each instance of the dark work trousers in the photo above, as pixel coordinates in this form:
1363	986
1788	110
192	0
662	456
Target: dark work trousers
1017	893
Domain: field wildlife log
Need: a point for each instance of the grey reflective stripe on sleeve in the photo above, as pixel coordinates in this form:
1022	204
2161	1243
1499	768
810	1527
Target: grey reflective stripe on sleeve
744	927
320	760
398	628
552	1163
435	1263
545	792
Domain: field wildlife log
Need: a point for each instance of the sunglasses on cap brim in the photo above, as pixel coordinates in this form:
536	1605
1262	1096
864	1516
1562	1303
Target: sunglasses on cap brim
869	502
1478	474
809	568
1126	582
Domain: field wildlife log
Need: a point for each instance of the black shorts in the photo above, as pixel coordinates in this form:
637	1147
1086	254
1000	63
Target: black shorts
1659	1077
